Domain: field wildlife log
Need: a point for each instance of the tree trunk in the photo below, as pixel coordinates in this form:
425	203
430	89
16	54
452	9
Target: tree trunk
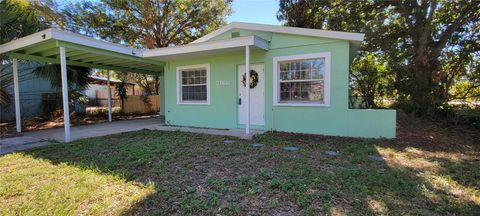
421	95
423	65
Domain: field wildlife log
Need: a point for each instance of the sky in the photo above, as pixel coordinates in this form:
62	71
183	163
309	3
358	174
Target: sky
255	11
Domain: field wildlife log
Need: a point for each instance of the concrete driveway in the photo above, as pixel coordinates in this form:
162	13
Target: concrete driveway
32	139
12	144
96	130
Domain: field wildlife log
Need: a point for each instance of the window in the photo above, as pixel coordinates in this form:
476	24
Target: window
302	80
193	84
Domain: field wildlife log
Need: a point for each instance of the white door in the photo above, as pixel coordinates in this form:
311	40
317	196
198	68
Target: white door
257	97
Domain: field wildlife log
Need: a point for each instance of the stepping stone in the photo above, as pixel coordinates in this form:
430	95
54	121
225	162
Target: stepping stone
291	148
228	141
258	145
331	153
376	158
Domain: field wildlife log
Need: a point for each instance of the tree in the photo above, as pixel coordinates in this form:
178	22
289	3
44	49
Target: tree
369	79
121	89
428	44
16	20
148	83
141	24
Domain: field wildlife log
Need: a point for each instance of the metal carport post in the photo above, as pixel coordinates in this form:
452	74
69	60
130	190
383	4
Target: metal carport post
16	95
66	110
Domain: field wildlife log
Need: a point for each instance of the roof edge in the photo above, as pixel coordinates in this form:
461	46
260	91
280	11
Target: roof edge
61	35
285	30
19	43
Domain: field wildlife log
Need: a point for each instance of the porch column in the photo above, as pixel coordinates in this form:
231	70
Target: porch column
66	111
109	98
16	94
247	85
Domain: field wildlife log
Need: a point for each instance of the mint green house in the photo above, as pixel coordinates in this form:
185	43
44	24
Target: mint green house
301	82
297	78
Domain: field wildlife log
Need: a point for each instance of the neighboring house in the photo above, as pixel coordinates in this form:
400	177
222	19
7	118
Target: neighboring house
97	91
37	91
34	91
300	77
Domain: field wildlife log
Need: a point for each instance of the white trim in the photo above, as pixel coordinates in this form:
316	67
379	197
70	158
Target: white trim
327	79
285	30
208	46
179	86
247	87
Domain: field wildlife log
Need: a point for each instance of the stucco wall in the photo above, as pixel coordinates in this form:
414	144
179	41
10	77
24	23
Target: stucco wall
336	119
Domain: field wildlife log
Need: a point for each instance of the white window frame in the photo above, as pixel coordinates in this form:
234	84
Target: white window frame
276	79
179	84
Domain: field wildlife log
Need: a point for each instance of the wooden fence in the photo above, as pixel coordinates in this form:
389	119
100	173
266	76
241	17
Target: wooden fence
142	104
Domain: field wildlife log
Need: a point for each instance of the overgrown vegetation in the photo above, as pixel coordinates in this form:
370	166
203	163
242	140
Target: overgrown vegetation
422	54
428	170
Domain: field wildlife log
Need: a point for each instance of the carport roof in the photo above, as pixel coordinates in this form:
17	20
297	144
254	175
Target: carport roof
80	51
89	52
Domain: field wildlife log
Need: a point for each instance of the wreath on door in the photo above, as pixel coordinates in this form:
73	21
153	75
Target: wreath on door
253	79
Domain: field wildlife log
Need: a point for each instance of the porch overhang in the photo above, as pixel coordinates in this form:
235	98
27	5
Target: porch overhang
80	50
206	48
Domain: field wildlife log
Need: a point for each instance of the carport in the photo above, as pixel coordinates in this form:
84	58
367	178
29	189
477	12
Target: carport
60	47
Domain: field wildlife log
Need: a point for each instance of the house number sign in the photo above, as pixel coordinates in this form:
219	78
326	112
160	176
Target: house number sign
223	82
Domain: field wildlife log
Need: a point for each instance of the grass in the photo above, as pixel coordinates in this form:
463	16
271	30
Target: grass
164	173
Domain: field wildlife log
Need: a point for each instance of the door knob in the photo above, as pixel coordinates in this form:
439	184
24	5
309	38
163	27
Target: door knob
240	101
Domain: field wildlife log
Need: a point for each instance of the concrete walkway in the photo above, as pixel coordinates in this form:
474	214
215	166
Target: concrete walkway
240	133
39	138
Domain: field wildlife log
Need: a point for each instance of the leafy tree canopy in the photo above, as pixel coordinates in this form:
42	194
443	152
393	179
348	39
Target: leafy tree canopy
141	24
429	45
144	24
17	19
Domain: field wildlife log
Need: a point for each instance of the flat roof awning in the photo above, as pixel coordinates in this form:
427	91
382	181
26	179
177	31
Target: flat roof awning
80	51
206	48
84	51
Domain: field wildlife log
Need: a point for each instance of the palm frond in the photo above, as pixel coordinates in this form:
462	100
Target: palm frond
77	77
5	98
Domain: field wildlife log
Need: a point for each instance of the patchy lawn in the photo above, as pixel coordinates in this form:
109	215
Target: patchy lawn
152	172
